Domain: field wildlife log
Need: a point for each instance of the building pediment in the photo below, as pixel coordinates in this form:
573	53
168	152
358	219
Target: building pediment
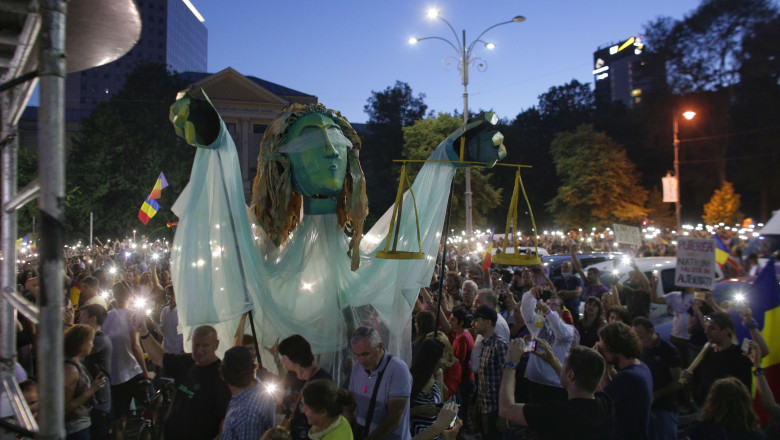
230	85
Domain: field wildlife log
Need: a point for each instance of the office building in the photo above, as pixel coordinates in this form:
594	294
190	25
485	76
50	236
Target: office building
622	73
172	33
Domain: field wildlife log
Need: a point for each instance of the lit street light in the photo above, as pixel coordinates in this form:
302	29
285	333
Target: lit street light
465	58
675	118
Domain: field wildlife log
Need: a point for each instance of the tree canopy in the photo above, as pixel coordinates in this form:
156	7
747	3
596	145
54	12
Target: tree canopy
389	111
599	184
704	50
723	206
122	147
420	141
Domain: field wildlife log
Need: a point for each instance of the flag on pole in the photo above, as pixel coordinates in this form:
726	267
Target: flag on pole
763	298
148	210
158	187
488	252
723	254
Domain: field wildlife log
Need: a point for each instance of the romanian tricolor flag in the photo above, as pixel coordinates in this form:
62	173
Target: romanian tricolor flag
158	187
764	300
148	210
488	252
723	254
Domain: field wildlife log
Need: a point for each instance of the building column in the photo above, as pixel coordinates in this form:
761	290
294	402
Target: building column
245	130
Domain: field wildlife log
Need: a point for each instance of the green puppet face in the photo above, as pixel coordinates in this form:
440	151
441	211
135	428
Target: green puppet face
317	149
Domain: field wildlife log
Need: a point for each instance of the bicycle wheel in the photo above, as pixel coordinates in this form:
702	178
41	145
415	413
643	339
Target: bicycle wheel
146	432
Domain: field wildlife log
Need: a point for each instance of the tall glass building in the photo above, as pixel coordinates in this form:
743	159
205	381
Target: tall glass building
173	33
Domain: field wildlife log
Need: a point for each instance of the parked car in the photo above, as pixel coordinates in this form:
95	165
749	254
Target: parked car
617	270
525	250
733	289
553	263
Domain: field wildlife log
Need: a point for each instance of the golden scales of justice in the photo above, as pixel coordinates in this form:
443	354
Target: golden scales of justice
391	251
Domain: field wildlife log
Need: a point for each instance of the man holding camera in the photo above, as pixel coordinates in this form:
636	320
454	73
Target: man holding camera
543	319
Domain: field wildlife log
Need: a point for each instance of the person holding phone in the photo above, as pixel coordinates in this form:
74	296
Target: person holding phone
79	386
543	319
585	414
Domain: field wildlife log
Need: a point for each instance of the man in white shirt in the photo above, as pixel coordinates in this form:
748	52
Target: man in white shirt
545	382
128	368
173	341
680	302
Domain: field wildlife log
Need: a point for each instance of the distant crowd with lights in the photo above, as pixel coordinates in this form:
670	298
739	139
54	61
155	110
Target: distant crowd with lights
497	353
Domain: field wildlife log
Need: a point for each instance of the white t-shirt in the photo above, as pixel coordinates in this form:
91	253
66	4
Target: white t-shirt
680	304
173	341
124	365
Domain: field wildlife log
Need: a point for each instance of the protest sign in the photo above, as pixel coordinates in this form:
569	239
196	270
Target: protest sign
695	263
627	234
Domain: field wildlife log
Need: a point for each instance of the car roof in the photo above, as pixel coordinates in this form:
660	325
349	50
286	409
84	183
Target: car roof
645	264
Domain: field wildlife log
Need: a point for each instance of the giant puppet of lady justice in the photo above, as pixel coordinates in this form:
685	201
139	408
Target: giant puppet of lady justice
287	257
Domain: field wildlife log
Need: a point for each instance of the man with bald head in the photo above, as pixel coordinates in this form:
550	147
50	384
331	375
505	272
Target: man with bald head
202	396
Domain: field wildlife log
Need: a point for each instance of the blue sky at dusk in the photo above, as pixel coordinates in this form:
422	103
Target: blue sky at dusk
342	50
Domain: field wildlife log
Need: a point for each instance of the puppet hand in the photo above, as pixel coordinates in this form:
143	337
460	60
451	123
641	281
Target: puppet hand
483	142
194	120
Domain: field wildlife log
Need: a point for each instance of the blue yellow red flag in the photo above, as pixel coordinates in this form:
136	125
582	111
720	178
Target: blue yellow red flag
158	187
723	255
148	210
763	298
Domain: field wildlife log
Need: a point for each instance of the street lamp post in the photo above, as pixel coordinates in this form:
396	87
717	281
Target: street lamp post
465	58
677	206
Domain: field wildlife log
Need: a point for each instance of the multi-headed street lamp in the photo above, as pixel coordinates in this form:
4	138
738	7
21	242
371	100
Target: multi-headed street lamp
465	58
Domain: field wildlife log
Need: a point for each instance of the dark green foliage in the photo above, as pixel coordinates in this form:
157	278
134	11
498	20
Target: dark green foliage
420	141
704	50
117	155
599	185
389	111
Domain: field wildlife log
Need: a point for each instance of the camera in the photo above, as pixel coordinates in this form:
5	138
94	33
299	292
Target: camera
530	346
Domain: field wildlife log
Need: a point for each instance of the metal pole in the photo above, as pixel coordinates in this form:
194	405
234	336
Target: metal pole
677	205
464	62
90	228
9	232
443	267
51	171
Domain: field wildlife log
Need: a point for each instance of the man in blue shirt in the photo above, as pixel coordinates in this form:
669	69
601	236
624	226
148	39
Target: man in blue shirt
390	417
491	361
252	410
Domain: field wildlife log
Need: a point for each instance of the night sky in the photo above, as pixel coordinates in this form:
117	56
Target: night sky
340	51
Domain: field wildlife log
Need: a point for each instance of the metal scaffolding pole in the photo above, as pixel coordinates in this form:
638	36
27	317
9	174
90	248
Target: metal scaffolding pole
8	271
51	172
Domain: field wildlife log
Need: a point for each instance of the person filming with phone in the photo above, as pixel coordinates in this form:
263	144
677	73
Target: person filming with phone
585	414
544	321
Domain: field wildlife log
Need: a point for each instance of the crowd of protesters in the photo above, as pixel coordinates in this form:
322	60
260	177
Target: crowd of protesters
498	353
